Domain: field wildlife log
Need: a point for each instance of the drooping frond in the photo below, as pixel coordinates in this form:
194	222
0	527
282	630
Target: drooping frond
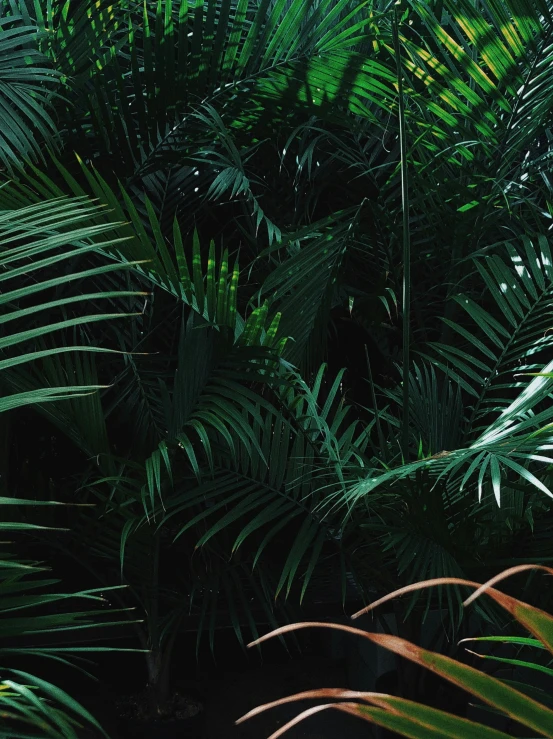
30	243
495	347
28	87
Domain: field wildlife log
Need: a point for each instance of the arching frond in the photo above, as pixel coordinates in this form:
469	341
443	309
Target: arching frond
30	242
28	86
494	348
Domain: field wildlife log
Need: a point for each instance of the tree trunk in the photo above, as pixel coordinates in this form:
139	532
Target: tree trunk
158	682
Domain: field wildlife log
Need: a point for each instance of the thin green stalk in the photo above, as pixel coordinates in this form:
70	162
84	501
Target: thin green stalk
406	245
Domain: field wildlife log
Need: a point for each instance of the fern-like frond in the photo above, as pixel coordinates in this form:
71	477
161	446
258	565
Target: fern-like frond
495	347
30	243
28	87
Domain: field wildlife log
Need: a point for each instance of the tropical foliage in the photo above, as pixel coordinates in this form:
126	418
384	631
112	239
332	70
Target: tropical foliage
406	718
30	609
286	184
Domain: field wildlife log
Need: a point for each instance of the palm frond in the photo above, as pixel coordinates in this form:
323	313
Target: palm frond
27	91
30	703
30	243
225	52
302	282
278	482
495	347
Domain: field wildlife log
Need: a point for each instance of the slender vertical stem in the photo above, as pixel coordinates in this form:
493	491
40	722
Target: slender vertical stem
406	244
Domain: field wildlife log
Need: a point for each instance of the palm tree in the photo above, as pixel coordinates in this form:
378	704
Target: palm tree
349	154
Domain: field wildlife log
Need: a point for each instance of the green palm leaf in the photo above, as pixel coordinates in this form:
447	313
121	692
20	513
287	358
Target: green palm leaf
29	244
177	55
32	239
489	358
27	90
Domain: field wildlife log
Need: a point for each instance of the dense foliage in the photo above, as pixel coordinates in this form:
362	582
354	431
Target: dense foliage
330	222
31	607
